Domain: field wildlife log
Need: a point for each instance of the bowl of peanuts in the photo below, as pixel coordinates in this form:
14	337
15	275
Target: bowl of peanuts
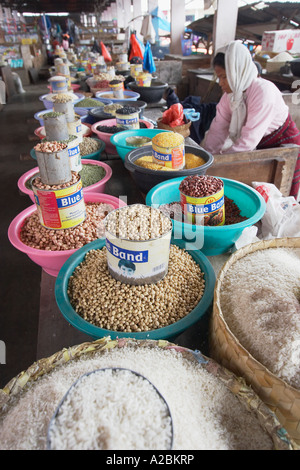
51	248
243	206
156	311
94	176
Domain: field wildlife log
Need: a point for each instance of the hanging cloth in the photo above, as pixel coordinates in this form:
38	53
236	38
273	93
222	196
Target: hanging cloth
147	29
105	53
148	62
135	49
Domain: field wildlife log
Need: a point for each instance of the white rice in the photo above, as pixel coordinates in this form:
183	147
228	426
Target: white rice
260	302
108	400
206	414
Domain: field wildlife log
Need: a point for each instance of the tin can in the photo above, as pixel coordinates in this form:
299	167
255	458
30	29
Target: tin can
74	154
75	128
60	208
117	87
128	117
143	79
56	128
135	69
66	108
206	210
59	84
168	150
137	262
54	167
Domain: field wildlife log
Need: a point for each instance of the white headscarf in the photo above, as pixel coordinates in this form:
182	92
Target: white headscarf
240	72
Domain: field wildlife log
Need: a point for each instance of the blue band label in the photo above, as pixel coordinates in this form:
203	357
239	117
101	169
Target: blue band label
164	157
127	121
205	208
128	255
73	151
67	201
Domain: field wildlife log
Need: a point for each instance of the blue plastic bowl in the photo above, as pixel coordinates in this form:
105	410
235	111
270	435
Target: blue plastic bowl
90	156
119	139
40	114
95	332
107	95
49	104
82	111
211	240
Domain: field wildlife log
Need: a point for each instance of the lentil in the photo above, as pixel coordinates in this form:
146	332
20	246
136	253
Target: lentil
200	185
127	110
52	114
88	145
110	304
191	161
167	139
33	234
91	174
88	103
110	129
138	222
112	108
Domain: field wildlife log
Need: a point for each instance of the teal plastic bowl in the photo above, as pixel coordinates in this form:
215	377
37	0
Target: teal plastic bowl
119	139
90	156
211	240
95	332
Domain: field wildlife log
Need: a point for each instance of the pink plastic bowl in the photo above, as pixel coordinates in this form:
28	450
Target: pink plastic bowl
105	137
93	188
51	261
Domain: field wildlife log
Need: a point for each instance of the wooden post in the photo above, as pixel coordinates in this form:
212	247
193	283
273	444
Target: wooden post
177	25
225	22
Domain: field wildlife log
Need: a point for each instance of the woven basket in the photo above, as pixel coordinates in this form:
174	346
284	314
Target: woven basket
252	402
184	130
225	348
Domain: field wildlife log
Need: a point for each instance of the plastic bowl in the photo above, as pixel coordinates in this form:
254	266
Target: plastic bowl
146	179
91	156
119	139
85	109
150	94
167	332
46	99
212	240
108	95
110	148
51	261
94	188
39	116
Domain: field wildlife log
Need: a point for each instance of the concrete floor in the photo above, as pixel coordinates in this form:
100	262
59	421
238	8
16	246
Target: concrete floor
19	277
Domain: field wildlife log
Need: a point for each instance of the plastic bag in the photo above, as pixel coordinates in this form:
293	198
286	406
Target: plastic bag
174	115
148	62
135	49
282	216
105	53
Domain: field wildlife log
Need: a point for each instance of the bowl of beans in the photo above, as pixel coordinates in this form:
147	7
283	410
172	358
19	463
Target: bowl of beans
94	176
51	248
130	140
160	310
107	128
147	174
244	207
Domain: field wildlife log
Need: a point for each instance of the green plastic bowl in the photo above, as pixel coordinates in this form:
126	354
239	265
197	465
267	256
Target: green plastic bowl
166	332
211	240
119	139
91	156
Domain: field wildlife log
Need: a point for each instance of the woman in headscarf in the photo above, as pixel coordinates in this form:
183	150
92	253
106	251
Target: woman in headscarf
251	113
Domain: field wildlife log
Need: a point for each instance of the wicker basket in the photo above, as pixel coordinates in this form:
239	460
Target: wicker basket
184	130
252	402
283	399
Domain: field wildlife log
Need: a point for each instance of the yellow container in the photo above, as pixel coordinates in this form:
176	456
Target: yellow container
60	208
168	150
208	210
136	69
143	79
117	87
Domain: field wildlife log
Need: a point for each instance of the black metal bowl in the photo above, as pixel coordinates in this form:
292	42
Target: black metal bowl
149	94
295	67
97	114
